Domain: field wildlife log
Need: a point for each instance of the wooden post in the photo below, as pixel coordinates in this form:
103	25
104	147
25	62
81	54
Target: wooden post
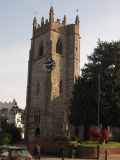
98	152
106	154
62	154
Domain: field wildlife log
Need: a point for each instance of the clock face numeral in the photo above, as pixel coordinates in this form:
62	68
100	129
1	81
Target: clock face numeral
50	64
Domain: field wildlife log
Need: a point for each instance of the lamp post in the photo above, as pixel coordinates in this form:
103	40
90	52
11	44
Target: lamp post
108	70
99	96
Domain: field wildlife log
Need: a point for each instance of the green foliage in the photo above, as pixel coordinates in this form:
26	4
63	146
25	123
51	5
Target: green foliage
10	133
115	135
15	134
81	103
105	61
5	138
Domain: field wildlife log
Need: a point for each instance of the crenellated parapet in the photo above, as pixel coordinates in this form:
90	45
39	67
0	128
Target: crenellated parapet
51	15
51	23
77	20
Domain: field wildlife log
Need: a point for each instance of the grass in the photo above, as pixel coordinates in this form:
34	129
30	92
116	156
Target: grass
110	144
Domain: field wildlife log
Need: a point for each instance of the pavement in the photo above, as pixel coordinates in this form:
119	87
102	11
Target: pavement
47	158
55	158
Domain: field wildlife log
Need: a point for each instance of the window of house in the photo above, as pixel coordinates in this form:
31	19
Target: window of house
59	47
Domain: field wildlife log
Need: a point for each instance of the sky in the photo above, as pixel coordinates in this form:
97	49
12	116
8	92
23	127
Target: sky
98	19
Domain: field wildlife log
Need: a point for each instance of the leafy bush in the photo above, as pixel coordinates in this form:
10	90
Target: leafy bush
116	134
5	138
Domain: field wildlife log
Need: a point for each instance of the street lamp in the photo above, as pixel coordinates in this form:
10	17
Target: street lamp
110	68
99	93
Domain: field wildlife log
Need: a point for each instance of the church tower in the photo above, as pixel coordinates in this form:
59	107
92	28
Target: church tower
54	63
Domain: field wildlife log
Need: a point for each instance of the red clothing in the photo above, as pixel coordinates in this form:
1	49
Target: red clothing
105	134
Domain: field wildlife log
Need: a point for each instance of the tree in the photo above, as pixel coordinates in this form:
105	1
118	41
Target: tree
82	101
15	134
105	62
9	133
5	138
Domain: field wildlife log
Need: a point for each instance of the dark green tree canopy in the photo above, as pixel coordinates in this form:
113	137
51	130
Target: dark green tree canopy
103	68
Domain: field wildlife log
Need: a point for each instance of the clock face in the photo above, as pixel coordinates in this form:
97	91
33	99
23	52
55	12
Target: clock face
49	65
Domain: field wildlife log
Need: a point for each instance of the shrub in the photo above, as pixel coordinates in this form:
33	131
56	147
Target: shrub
5	138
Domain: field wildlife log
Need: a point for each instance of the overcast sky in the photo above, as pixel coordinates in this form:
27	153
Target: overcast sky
98	19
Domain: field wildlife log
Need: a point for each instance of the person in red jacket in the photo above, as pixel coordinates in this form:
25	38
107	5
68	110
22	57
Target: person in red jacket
105	134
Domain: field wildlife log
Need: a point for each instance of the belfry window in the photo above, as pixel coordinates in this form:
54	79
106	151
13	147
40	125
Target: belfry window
40	50
61	87
59	47
37	132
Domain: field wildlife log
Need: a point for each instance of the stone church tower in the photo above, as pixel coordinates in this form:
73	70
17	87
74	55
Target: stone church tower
54	63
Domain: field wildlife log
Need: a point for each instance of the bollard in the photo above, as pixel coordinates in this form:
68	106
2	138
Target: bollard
106	154
62	154
73	153
98	152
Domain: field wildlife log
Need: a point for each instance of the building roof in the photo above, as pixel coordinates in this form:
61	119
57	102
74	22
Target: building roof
8	105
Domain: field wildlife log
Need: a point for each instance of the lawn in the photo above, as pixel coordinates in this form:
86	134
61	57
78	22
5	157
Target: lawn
89	143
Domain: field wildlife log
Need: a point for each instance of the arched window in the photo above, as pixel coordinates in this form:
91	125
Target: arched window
59	47
37	88
41	50
37	131
61	87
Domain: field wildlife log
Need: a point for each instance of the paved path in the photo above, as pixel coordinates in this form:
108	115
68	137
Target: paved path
46	158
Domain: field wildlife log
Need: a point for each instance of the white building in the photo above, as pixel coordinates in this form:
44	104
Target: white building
12	114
